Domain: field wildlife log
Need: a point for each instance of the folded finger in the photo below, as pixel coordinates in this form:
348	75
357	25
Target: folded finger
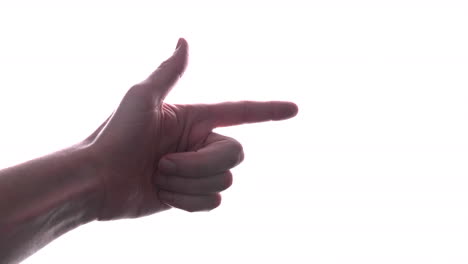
219	154
205	185
190	203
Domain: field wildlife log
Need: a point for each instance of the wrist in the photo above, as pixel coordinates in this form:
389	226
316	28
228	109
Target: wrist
45	198
88	172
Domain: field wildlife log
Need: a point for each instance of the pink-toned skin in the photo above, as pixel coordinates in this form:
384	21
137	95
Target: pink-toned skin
119	171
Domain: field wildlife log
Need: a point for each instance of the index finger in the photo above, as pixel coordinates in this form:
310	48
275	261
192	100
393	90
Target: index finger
244	112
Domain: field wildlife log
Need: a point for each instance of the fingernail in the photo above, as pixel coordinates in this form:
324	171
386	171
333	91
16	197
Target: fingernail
179	43
167	166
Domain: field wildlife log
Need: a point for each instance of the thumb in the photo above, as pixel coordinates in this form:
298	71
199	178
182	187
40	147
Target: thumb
151	92
166	75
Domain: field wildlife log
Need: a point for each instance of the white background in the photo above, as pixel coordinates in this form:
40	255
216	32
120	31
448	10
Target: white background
372	170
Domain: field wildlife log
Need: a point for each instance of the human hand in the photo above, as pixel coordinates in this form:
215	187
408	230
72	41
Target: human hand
131	147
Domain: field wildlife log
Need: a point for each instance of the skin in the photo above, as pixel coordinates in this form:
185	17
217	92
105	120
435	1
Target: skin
122	170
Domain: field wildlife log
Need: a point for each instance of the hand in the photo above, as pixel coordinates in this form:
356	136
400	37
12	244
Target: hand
153	156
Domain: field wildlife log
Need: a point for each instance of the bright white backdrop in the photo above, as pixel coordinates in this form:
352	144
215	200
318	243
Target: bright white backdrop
372	170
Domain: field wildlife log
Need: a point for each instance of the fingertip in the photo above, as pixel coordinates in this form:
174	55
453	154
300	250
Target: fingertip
181	48
181	42
181	54
287	110
216	201
213	203
178	43
168	72
293	109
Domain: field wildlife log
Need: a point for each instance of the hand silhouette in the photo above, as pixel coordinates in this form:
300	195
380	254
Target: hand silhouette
151	156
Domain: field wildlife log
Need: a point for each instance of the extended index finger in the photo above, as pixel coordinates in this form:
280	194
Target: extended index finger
244	112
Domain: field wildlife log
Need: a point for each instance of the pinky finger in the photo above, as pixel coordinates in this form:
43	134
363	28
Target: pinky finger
190	203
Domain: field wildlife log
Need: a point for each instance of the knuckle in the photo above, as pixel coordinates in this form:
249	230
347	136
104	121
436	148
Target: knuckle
209	203
191	209
237	153
136	89
215	201
245	114
241	157
227	181
237	146
139	94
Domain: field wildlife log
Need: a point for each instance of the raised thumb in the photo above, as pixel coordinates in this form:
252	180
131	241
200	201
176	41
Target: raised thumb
161	81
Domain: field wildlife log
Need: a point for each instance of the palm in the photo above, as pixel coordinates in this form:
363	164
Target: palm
144	129
135	154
